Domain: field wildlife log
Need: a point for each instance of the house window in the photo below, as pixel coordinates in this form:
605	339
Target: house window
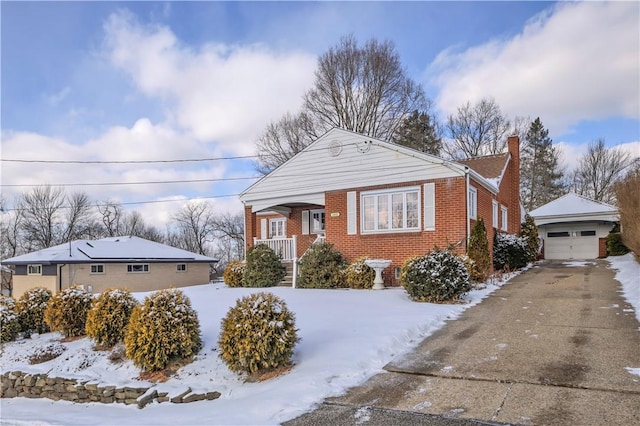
558	234
97	269
277	228
391	211
34	269
138	268
587	233
473	203
503	209
317	221
495	214
181	267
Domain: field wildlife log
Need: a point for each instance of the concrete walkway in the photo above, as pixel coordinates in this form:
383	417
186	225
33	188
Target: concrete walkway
551	347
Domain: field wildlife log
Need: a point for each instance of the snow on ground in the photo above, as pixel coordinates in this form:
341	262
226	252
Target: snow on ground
347	336
628	274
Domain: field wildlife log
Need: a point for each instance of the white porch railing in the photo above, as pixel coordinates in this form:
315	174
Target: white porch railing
284	247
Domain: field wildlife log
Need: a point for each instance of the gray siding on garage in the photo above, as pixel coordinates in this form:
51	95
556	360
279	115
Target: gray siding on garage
48	270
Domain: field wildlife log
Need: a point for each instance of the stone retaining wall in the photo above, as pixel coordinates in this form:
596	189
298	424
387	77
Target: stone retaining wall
19	384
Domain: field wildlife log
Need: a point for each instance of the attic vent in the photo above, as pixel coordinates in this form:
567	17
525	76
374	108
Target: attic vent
335	148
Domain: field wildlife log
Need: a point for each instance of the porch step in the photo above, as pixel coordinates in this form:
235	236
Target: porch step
287	281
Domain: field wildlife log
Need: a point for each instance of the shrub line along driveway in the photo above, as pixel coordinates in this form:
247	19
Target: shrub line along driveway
551	347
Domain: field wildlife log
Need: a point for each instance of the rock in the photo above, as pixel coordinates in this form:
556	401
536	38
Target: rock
145	399
210	396
178	399
193	398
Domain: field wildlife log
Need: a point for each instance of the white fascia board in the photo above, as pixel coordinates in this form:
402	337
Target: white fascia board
258	205
605	217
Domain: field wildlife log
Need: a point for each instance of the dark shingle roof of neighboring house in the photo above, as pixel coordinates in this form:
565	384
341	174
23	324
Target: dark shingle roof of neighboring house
490	167
113	249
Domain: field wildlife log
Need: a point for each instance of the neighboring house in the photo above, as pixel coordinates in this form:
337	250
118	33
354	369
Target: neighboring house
372	198
116	262
574	227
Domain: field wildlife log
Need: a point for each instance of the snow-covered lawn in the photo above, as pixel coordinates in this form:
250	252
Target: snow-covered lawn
347	336
628	274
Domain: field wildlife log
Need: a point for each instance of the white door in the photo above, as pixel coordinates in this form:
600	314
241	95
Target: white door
570	242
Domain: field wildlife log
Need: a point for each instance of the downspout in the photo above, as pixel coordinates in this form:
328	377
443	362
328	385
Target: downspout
466	175
60	277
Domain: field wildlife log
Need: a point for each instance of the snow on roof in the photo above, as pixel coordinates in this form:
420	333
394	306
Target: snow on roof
109	250
573	205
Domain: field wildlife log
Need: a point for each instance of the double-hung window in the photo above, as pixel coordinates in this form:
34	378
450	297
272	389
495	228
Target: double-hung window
278	228
34	269
317	221
97	268
473	203
394	210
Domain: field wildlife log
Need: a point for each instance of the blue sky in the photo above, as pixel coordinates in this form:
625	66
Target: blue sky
105	81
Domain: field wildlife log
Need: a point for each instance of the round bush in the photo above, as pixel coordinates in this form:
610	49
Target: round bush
30	309
359	274
9	324
321	267
233	274
264	267
440	276
258	333
67	311
162	330
510	252
107	320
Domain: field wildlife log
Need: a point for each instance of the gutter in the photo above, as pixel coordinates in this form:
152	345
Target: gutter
466	196
60	276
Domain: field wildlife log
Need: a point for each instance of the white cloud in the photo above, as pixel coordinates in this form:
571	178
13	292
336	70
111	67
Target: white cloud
217	92
572	62
56	98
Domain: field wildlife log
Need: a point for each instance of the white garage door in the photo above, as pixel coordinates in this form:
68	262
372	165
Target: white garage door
571	242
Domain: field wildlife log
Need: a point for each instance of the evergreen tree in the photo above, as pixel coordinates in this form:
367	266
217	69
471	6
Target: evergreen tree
529	231
541	177
421	132
478	252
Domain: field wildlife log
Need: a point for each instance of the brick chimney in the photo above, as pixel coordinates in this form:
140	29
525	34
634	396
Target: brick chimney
513	144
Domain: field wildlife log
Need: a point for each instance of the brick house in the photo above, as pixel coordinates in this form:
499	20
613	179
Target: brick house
374	198
116	262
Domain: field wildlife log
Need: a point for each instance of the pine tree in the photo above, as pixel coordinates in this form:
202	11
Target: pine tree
541	177
421	132
478	252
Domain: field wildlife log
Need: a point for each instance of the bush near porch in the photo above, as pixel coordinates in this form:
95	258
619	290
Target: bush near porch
264	267
321	267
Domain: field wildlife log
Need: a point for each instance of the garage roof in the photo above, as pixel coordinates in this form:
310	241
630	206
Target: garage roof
574	208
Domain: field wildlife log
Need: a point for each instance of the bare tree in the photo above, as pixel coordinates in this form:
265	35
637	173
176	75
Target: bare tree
627	193
476	130
133	224
360	88
43	216
10	231
112	215
598	170
229	231
194	227
80	218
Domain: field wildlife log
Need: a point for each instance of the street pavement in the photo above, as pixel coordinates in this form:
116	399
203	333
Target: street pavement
551	347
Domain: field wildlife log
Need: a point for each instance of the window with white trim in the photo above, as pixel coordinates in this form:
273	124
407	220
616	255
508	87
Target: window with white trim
278	228
473	203
138	268
34	269
97	268
504	217
317	221
394	210
495	214
181	267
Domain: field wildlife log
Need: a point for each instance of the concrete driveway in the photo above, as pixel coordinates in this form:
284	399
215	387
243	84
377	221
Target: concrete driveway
551	347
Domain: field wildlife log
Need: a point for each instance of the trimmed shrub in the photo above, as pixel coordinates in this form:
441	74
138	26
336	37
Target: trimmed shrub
439	276
359	274
107	320
67	311
529	231
510	252
30	309
321	267
264	267
615	246
162	330
258	333
9	324
479	263
233	274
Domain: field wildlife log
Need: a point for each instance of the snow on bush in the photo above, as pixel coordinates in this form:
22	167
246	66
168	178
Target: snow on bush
264	267
321	267
162	330
107	320
510	252
9	325
359	274
439	276
258	333
30	309
233	273
67	311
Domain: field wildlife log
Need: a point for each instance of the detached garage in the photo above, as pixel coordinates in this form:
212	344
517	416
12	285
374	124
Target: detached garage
574	227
